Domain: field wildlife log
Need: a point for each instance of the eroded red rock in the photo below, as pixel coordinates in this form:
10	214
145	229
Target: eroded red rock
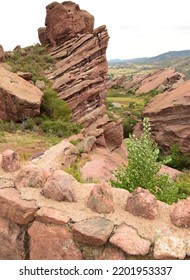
142	203
12	240
14	208
31	176
52	243
73	22
113	134
10	161
60	186
2	54
101	199
19	99
180	216
169	115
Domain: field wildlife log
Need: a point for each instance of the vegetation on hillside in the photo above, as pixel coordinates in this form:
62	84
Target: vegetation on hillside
143	167
55	120
130	106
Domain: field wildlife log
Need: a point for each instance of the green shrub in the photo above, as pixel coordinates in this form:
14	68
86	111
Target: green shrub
32	59
75	172
9	126
183	183
128	126
143	167
179	160
53	107
59	127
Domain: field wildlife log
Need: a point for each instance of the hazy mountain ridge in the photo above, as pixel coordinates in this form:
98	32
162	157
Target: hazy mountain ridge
154	59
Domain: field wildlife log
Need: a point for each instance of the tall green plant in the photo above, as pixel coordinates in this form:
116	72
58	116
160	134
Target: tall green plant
143	167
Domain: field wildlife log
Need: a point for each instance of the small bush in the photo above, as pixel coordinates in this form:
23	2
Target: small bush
183	183
9	126
128	126
53	107
59	128
32	59
179	160
143	167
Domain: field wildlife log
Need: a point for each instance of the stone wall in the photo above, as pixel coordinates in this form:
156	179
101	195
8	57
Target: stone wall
99	223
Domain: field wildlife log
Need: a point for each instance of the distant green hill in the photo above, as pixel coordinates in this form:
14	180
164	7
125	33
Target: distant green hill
150	60
180	60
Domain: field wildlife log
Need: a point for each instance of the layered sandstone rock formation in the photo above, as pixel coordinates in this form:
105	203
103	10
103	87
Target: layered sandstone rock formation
19	99
169	115
81	68
160	80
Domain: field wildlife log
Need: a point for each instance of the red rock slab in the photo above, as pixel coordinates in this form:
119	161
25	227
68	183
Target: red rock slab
180	216
52	243
11	241
51	215
14	208
95	231
128	240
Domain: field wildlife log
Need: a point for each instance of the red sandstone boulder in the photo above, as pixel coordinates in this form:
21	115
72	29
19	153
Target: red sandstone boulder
169	115
127	239
10	161
113	134
31	176
25	75
12	240
14	208
73	21
180	216
42	35
87	144
94	231
100	199
142	203
169	247
51	215
52	243
60	186
2	54
19	99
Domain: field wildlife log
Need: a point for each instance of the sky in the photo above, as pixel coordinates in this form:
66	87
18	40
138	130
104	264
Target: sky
137	28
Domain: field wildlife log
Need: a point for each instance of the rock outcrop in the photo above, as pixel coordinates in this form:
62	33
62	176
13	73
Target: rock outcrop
169	115
160	80
142	203
2	54
81	70
73	22
10	161
19	99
